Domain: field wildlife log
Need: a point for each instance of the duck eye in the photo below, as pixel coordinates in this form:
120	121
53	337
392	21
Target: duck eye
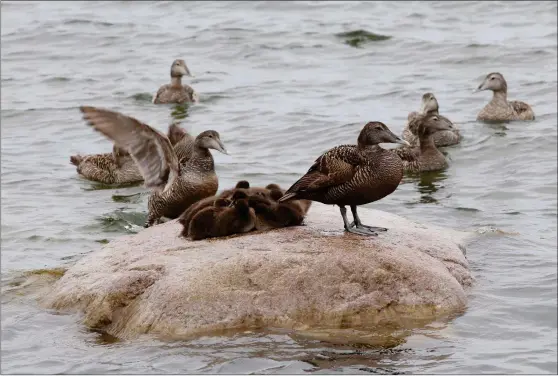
435	118
492	77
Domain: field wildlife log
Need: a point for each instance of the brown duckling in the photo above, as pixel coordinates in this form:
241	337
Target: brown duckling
272	214
176	92
241	184
221	220
499	109
353	175
425	156
117	167
175	186
429	105
201	224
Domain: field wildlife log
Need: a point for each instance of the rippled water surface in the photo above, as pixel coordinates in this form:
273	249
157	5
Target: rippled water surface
281	86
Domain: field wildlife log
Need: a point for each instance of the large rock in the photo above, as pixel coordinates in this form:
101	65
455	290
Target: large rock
307	277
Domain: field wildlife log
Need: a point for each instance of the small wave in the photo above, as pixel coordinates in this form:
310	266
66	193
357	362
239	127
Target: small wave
357	38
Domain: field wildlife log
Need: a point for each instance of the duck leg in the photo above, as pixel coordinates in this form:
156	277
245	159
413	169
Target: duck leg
358	224
352	229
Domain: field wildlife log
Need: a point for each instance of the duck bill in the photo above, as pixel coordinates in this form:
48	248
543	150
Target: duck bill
402	142
480	88
218	145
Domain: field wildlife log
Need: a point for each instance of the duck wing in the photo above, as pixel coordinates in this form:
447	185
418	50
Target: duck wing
151	150
524	111
333	168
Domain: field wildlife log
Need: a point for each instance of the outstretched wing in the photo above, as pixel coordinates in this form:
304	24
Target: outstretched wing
333	168
151	150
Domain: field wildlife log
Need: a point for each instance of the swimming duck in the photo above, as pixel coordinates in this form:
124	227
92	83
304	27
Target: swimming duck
353	175
175	186
117	167
176	92
424	156
499	109
441	138
222	220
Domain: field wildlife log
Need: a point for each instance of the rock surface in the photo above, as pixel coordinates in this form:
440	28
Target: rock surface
307	277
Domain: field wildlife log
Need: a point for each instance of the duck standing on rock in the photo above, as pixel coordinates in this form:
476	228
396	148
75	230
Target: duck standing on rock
176	92
175	185
425	156
499	109
353	175
445	137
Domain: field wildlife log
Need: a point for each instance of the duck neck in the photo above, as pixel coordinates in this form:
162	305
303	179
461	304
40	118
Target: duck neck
499	97
201	159
427	144
176	81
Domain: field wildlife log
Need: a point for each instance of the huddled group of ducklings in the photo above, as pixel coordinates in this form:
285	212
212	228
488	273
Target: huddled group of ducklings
180	169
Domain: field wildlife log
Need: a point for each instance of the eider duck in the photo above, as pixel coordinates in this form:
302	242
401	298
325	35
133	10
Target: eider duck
429	105
117	167
175	185
424	156
499	109
222	219
176	92
353	175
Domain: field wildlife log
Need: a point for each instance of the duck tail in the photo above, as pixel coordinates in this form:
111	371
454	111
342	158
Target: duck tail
76	159
287	196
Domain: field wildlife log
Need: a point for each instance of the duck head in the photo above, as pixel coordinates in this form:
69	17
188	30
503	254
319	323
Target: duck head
211	140
429	124
376	132
429	103
493	81
179	69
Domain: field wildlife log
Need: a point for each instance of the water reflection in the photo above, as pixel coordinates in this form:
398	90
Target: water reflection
180	111
427	184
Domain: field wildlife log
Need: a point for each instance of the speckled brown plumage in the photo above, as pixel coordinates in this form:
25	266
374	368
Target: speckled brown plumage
499	109
175	186
425	156
108	168
353	175
176	92
430	105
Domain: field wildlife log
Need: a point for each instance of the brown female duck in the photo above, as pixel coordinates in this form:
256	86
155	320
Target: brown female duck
176	92
117	167
429	105
175	185
425	156
499	109
353	175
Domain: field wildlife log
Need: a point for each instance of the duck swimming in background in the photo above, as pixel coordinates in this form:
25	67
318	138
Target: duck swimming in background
425	156
353	175
176	92
441	138
175	185
118	167
499	109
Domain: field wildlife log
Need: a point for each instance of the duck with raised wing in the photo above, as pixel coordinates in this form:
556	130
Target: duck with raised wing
176	91
353	175
499	109
175	185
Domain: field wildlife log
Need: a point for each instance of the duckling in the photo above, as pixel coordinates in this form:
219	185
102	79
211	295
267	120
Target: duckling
272	214
441	138
175	186
186	217
353	175
276	190
176	92
201	224
221	220
499	109
117	167
241	184
424	156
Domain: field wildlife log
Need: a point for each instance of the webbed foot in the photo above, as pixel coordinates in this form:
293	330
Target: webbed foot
371	228
361	231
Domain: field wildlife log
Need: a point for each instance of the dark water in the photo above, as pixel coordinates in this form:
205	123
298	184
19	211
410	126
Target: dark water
281	86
